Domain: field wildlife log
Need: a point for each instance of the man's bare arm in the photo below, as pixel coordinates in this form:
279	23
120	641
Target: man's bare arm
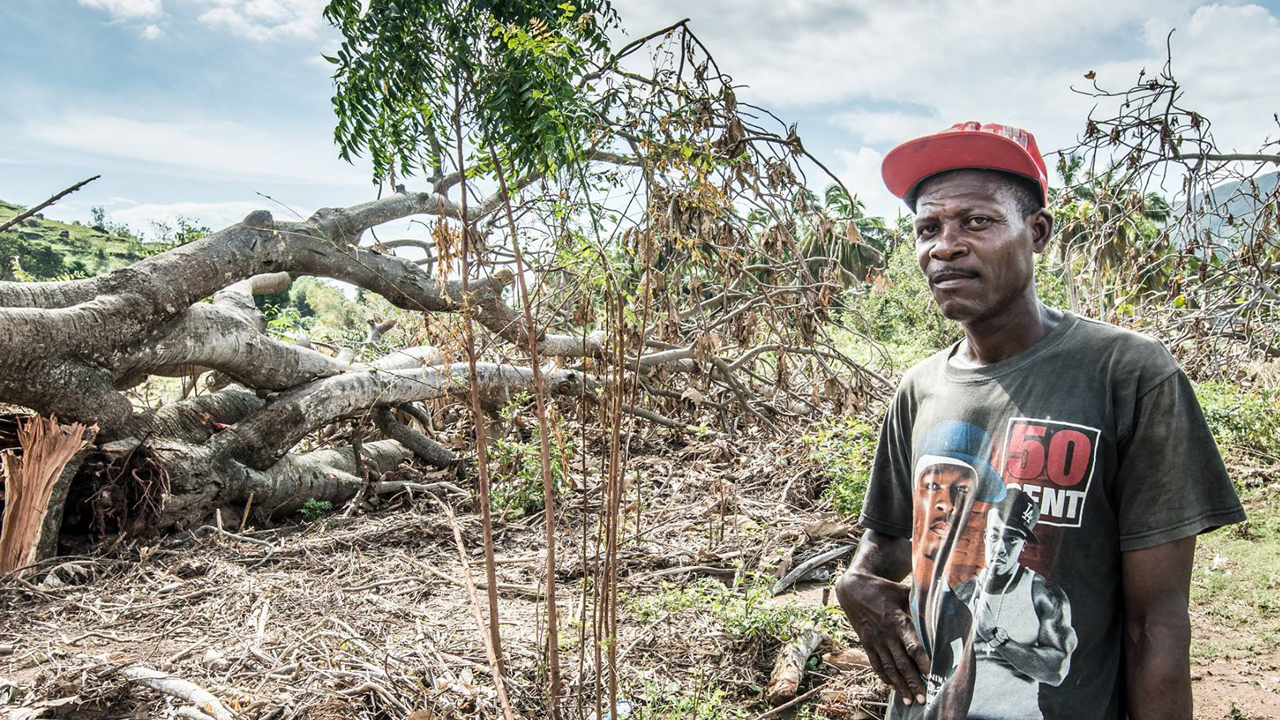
875	599
1157	630
1048	660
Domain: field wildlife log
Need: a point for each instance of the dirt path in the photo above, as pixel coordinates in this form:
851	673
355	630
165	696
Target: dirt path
1238	688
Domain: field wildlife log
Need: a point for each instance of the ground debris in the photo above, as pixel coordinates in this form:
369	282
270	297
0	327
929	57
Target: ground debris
363	617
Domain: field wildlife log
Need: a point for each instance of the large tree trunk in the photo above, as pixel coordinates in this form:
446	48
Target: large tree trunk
71	348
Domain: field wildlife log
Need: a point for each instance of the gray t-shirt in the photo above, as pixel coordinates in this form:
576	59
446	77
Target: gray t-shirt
1020	484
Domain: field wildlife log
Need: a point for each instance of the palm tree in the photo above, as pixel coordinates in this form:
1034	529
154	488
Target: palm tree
1113	231
840	230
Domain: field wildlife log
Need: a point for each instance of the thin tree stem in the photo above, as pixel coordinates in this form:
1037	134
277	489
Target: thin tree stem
544	430
482	464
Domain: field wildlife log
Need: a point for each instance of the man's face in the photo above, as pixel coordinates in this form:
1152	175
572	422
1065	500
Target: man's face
1002	547
946	494
974	246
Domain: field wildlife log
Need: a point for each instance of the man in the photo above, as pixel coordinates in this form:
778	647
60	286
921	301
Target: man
1023	636
1094	425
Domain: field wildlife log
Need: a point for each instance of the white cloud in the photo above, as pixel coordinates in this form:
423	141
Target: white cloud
886	72
906	51
205	149
152	32
264	20
128	9
860	172
214	215
889	127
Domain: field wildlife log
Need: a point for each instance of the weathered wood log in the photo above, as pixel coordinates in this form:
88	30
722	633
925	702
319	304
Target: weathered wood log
185	690
847	659
789	668
35	488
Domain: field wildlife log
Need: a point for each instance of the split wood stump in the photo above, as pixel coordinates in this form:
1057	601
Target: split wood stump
36	482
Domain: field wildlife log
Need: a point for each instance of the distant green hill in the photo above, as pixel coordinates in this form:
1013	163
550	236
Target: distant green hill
49	250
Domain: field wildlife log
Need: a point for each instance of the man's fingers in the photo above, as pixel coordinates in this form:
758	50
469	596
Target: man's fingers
915	650
906	668
882	663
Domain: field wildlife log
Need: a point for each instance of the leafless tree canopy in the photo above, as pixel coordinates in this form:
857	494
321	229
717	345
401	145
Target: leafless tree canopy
1176	234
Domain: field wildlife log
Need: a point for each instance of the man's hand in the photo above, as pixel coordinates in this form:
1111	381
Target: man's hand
876	602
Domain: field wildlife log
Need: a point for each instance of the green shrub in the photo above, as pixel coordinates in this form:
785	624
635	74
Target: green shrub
845	448
517	486
314	509
1245	424
900	312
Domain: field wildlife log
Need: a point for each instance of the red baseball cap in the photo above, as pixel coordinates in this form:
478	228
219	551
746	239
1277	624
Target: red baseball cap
964	145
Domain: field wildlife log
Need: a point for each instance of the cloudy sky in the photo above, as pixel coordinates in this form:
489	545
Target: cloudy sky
200	107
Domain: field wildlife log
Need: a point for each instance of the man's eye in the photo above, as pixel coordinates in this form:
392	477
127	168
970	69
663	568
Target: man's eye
978	221
924	230
932	486
963	489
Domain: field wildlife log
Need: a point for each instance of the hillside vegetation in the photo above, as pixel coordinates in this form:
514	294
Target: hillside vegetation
48	249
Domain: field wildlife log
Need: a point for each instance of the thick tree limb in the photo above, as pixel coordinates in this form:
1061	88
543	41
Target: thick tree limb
264	437
323	474
424	447
411	357
179	688
212	336
196	419
345	225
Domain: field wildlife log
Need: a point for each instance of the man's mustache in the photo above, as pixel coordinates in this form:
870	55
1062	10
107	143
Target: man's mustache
947	271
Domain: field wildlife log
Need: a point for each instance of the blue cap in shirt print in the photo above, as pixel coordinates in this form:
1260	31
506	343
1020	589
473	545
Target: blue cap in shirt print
958	442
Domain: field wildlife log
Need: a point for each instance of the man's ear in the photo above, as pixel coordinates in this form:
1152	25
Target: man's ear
1041	223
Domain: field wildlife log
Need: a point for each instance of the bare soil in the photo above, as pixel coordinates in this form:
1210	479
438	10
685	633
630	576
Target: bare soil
368	616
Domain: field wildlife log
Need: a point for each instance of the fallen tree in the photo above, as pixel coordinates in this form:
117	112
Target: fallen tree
705	296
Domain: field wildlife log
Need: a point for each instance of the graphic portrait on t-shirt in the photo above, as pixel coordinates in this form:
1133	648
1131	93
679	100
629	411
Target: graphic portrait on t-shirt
1022	634
996	628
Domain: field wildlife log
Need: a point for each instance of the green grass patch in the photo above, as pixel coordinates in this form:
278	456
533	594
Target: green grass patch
671	700
745	616
49	249
845	448
314	509
1236	582
517	484
743	613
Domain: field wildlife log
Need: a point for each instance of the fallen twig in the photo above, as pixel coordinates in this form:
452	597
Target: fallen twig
207	529
788	705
